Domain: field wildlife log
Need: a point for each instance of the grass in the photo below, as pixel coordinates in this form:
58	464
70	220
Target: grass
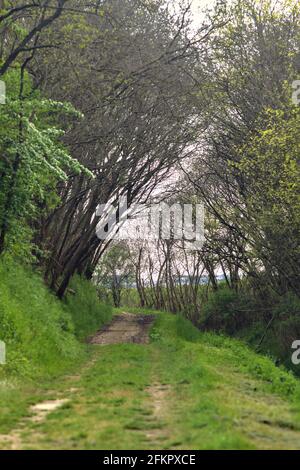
42	333
88	314
42	336
185	390
137	310
36	327
244	315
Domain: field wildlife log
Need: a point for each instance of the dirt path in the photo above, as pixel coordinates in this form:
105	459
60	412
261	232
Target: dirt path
125	328
158	394
168	394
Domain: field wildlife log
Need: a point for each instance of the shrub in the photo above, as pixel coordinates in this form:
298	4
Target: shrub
88	313
221	311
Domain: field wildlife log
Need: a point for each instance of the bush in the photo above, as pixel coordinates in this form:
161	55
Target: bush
88	313
247	314
227	311
284	330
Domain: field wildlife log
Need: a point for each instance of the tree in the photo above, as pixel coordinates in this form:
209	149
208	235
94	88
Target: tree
115	271
251	66
135	90
33	160
270	166
23	23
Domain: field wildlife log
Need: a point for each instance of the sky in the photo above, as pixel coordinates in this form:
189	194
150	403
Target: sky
197	7
198	4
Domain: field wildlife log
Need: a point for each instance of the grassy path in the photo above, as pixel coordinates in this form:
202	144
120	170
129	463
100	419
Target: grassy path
184	390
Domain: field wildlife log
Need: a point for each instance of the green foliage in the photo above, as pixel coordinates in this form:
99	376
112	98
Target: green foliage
88	314
284	330
226	310
33	159
155	335
37	329
247	314
276	378
41	333
129	296
185	329
234	352
212	392
269	214
114	272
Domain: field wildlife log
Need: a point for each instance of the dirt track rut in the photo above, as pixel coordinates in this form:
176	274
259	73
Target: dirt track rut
125	328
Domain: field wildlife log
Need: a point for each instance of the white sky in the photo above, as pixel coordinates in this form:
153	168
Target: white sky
199	4
197	8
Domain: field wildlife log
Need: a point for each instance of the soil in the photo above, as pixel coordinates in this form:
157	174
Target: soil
125	328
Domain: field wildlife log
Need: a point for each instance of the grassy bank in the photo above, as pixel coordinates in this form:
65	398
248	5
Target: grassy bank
269	323
43	335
